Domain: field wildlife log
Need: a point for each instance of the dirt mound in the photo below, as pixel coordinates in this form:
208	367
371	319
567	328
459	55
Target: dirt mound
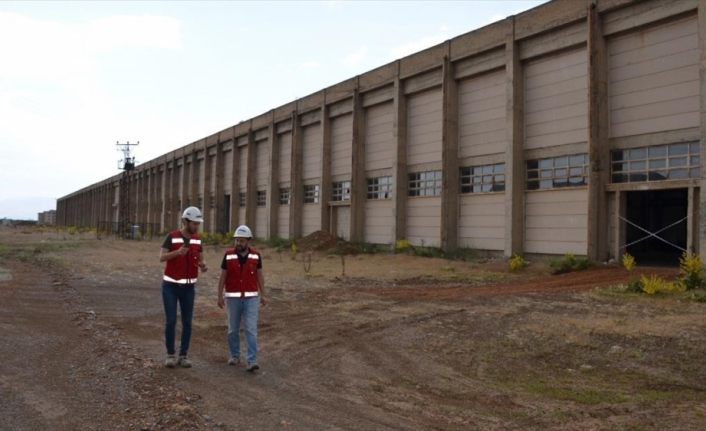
317	241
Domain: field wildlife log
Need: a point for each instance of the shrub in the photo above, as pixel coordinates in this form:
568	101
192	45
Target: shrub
656	284
402	245
569	263
691	271
517	263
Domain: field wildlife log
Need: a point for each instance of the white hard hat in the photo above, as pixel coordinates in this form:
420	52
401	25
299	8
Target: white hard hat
242	232
193	214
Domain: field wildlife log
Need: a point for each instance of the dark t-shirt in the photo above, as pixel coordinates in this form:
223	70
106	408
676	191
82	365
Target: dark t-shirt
242	259
167	244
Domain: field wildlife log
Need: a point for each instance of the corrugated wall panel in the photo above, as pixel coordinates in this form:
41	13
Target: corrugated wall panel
556	100
424	124
312	144
262	164
341	144
654	79
202	176
285	155
424	221
243	166
261	227
379	221
482	115
481	222
343	222
556	221
283	221
379	141
311	218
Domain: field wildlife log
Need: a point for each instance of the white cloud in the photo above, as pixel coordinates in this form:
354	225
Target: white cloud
356	57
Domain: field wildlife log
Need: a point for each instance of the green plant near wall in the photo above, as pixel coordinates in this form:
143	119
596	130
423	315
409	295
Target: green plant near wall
691	271
569	263
517	263
629	263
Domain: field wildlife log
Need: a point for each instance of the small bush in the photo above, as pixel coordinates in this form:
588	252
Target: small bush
691	271
569	263
629	262
517	263
402	245
656	284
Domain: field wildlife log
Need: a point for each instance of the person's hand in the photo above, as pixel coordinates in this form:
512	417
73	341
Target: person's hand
203	267
221	302
263	301
183	250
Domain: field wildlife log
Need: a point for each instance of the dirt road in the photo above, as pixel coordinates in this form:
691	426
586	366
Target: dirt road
399	342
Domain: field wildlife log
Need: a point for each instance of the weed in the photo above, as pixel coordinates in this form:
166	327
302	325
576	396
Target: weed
517	263
569	263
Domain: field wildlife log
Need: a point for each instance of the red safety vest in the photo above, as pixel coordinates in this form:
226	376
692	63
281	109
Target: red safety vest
183	269
241	280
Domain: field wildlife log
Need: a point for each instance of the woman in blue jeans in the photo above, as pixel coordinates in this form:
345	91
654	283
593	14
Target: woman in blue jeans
182	253
241	288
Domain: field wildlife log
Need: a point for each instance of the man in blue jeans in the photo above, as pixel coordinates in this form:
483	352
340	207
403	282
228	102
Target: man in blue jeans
242	288
182	252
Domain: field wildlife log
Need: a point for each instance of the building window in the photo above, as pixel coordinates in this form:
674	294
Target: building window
341	191
242	199
284	196
425	183
262	198
380	187
311	194
483	179
656	163
557	172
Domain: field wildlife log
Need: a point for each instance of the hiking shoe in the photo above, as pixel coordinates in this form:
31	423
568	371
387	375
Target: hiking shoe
252	367
234	361
184	362
170	362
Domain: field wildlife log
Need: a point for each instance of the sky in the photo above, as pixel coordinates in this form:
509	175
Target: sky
76	77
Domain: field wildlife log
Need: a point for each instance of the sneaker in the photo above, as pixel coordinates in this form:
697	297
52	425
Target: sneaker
234	361
170	362
184	362
252	367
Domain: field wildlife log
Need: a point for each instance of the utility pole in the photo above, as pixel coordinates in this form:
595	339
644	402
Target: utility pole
127	165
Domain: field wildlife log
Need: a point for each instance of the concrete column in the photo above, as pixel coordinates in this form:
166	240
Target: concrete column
235	185
514	155
598	142
399	172
449	157
326	185
208	193
273	180
359	185
218	205
701	215
251	208
296	190
619	239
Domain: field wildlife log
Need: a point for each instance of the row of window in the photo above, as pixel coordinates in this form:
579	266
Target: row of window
662	162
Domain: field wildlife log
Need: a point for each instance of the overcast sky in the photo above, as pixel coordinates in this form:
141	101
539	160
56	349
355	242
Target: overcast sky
75	77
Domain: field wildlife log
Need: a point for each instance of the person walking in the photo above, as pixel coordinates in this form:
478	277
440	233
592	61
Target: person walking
241	289
182	253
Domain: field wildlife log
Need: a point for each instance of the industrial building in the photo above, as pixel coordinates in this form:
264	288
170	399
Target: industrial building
47	217
576	126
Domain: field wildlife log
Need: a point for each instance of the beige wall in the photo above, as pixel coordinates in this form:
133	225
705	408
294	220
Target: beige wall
341	145
654	79
556	221
424	221
312	142
282	220
379	141
311	218
343	222
379	221
424	127
284	141
481	222
261	227
262	167
556	100
482	115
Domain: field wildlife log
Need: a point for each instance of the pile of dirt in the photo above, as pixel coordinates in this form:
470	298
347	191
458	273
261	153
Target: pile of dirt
318	241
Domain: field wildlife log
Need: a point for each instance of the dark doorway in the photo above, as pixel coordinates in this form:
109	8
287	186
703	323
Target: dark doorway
654	210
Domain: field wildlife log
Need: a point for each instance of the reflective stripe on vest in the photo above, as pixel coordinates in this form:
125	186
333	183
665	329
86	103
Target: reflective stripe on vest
238	294
182	281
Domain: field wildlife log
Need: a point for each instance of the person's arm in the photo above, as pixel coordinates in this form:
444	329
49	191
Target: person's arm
202	264
221	288
165	254
261	286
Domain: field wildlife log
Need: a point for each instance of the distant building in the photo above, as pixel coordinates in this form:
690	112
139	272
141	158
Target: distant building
47	217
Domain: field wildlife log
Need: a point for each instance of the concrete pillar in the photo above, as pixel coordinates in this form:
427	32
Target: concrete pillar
701	215
514	156
219	195
399	170
209	204
297	188
251	192
273	180
235	185
449	157
598	142
359	185
326	185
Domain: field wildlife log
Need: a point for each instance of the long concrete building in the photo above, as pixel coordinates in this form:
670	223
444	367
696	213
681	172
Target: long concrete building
574	127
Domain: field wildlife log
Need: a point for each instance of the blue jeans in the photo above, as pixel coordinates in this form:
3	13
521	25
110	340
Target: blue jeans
184	295
246	309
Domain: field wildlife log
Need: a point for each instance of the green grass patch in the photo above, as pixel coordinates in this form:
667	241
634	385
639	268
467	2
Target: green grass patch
578	395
